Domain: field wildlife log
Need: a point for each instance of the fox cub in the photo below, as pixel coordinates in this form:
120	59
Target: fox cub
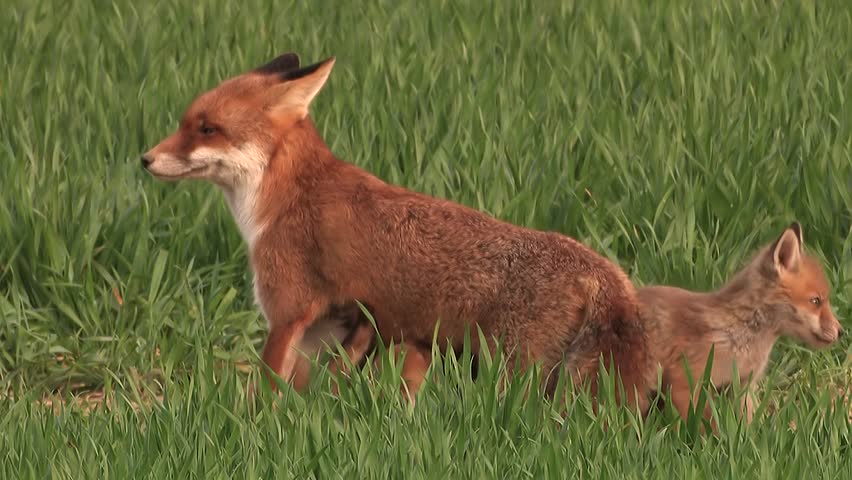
782	291
323	233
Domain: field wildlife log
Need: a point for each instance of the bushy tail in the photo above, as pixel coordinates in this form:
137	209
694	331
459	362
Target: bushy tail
616	335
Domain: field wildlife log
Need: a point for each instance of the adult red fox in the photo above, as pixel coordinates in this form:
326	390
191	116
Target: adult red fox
322	233
782	291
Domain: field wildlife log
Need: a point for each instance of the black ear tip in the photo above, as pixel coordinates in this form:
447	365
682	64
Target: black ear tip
280	64
306	70
796	227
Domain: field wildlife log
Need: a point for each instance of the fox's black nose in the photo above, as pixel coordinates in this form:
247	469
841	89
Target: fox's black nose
840	332
146	160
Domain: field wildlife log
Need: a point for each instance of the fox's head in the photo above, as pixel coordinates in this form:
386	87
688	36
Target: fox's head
228	134
799	290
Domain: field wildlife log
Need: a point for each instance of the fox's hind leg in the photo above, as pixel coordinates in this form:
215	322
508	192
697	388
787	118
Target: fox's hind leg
631	383
414	369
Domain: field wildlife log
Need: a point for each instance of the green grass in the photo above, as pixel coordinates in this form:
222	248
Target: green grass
675	137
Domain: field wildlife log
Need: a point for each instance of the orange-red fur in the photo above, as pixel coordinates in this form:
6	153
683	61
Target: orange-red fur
324	233
774	295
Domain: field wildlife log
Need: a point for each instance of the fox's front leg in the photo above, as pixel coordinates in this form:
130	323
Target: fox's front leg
747	405
683	398
280	353
414	367
301	373
356	346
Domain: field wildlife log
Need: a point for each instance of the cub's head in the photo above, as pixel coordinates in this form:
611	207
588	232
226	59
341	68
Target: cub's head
228	133
800	291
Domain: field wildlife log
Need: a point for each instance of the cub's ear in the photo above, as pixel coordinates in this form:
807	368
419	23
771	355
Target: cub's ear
279	65
787	250
797	229
298	88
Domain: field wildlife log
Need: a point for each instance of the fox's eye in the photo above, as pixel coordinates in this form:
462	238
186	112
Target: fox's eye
816	301
207	130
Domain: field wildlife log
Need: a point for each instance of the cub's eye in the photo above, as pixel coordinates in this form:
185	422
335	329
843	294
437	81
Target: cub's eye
207	130
816	301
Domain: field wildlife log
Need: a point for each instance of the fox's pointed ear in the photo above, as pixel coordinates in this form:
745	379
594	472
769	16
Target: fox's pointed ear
298	88
787	250
797	229
279	65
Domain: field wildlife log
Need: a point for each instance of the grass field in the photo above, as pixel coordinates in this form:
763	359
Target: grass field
674	137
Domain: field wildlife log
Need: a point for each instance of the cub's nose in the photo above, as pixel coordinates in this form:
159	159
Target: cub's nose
146	160
840	332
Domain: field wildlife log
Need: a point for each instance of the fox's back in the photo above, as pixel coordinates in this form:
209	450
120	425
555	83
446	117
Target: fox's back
439	255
